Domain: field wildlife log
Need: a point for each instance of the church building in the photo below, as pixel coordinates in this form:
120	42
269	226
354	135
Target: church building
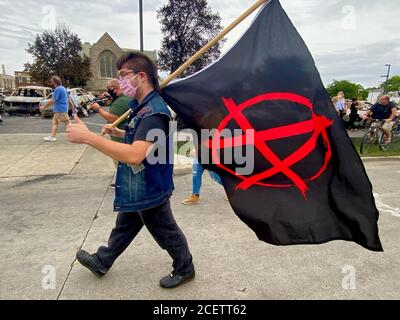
104	55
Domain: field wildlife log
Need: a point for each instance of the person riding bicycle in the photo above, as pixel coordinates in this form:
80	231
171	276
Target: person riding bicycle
384	110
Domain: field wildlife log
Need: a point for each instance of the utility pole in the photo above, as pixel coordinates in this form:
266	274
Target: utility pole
141	25
387	77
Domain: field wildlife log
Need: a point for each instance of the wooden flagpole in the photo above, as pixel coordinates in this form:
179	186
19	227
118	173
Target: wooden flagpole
196	56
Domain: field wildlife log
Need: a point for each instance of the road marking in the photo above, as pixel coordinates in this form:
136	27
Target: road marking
385	207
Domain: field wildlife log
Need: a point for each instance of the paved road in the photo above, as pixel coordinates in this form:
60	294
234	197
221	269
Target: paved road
55	199
28	124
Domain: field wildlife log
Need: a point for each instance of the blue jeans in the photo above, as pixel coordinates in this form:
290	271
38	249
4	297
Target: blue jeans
198	171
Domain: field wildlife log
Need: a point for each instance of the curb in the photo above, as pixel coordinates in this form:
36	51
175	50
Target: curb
186	170
376	159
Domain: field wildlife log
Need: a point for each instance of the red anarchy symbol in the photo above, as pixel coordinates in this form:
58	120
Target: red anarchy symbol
317	125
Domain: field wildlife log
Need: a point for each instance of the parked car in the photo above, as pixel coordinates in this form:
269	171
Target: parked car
85	97
79	99
26	100
2	97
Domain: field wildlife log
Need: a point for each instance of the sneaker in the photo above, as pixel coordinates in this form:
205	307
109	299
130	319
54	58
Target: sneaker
175	280
92	262
193	199
112	186
50	139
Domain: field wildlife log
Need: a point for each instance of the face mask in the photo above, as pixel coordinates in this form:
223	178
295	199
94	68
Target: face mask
112	93
127	87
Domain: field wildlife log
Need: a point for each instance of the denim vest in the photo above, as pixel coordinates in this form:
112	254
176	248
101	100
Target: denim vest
145	186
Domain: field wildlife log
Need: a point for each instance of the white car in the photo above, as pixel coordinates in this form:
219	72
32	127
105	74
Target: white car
26	100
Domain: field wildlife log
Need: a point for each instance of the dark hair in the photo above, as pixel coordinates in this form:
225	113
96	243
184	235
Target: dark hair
138	62
56	80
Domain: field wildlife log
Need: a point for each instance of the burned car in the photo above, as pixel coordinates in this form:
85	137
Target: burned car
79	99
26	100
2	97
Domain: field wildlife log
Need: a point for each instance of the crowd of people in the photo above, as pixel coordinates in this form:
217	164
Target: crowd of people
384	110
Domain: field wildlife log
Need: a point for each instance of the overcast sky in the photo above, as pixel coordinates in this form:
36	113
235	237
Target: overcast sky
349	39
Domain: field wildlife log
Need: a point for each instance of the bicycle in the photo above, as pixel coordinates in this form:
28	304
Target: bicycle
374	136
396	126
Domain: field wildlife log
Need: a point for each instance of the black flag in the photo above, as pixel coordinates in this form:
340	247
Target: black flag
308	184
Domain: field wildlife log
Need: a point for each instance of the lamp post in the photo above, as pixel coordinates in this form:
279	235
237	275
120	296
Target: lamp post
141	25
387	77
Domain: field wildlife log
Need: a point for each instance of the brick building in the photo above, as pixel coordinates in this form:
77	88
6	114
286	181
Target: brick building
7	82
104	55
23	79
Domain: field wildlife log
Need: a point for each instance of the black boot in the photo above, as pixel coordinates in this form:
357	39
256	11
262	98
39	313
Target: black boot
92	262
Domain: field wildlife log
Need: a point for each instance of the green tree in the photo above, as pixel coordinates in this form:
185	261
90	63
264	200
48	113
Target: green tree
350	89
362	93
393	84
58	53
186	27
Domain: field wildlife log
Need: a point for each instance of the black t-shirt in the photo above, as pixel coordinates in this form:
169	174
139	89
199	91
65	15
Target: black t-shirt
353	108
157	121
381	112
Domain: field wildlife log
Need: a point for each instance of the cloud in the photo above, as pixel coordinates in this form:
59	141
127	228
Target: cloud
349	39
356	63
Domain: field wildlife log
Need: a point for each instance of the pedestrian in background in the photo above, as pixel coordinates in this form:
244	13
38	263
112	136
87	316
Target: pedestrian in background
60	102
354	114
119	106
341	104
197	180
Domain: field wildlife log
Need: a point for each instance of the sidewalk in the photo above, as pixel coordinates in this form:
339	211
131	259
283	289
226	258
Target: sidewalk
56	198
24	155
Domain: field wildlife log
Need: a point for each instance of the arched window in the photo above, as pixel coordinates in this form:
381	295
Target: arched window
108	65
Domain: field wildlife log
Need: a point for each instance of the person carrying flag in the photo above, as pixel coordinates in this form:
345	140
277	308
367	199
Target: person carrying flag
143	189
